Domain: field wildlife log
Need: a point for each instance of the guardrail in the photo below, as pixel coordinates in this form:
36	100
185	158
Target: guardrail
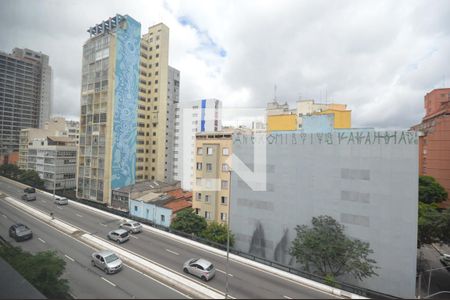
336	284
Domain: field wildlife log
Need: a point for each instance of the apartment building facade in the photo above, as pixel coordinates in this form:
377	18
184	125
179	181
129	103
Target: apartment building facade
211	190
193	117
25	94
54	158
56	126
159	86
108	121
434	142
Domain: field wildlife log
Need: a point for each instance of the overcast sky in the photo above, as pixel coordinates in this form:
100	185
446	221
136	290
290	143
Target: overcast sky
379	57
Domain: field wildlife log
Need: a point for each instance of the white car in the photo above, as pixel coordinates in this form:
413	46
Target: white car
61	200
445	259
132	226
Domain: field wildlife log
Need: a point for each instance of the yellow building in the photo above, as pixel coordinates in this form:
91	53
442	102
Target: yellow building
342	118
281	122
211	190
158	99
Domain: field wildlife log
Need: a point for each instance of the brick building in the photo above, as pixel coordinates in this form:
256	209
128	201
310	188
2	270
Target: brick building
434	142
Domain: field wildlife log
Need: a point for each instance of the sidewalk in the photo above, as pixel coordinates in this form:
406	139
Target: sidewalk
441	248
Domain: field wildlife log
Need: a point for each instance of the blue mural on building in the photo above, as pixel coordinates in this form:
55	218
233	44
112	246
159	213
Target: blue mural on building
128	43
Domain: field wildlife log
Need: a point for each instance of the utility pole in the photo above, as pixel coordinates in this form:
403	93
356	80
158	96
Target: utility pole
228	238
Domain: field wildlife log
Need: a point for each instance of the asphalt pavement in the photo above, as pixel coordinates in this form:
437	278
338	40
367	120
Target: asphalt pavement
85	280
244	282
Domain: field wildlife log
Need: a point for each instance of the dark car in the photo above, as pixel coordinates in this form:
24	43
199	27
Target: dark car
20	232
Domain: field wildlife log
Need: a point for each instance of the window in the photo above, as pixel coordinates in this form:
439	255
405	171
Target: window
199	166
199	151
223	200
163	218
209	167
225	151
224	167
206	198
207	215
224	185
199	196
197	210
223	217
135	208
209	151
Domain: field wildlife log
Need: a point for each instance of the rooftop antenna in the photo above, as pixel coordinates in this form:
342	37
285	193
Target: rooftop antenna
275	93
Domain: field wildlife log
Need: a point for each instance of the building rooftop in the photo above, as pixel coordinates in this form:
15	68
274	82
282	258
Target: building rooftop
143	186
177	205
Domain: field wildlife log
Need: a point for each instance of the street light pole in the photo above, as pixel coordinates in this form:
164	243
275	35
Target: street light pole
228	238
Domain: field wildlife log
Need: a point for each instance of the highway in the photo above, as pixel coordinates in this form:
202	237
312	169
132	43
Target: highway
85	281
244	282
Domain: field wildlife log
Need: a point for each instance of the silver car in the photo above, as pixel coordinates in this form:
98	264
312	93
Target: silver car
200	267
107	261
20	232
61	200
132	226
119	235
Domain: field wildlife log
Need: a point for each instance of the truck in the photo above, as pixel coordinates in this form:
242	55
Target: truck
29	194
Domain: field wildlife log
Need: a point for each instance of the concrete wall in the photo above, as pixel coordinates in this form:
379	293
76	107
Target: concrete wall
151	212
367	181
281	122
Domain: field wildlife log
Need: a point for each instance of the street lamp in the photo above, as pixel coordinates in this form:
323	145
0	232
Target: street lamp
228	236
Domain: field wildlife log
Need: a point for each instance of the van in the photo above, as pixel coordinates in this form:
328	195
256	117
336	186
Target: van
61	200
29	194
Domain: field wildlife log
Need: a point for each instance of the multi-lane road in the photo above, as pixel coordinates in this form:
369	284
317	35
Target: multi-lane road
244	281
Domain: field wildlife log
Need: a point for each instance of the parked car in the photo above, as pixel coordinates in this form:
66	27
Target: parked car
445	260
200	267
119	235
20	232
29	194
61	200
107	261
132	226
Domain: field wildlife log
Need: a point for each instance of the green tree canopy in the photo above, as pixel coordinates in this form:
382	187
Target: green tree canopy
430	191
10	171
325	250
31	177
217	233
43	270
188	221
433	225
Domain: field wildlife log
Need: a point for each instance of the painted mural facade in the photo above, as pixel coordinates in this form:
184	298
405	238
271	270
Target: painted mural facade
125	103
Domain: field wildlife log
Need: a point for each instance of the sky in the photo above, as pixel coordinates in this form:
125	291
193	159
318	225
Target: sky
379	57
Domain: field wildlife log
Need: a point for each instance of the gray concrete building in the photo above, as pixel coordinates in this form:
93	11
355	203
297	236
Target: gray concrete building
54	158
366	180
173	98
25	94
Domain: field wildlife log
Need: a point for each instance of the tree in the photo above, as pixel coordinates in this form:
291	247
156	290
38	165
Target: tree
325	250
10	171
430	191
43	270
31	177
430	224
188	221
217	233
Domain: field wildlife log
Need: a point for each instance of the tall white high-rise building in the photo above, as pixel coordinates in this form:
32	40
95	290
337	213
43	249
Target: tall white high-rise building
192	117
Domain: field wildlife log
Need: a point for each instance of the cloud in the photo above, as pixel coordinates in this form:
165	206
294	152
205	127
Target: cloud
380	58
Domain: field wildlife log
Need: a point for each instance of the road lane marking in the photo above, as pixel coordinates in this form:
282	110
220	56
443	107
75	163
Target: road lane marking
287	297
68	257
79	215
134	236
104	225
44	201
41	240
59	207
113	284
4	216
173	252
218	270
73	296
